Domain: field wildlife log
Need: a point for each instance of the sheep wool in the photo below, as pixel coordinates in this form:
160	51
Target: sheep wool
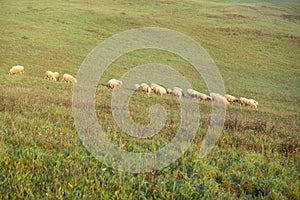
16	69
158	89
56	74
248	102
169	91
201	96
50	75
177	92
114	83
219	99
69	78
230	98
191	92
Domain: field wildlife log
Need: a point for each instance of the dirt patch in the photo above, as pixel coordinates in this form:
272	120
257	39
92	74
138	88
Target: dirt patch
272	8
247	7
35	10
213	16
291	17
256	32
235	16
92	31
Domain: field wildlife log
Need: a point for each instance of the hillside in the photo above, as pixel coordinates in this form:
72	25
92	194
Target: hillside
255	45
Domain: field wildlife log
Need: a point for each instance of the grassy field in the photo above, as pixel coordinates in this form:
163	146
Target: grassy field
254	43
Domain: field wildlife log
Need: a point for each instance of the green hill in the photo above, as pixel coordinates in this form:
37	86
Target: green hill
255	45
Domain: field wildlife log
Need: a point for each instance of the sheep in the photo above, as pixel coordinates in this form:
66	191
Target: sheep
50	75
219	99
158	89
255	102
252	103
69	78
114	83
56	74
169	91
198	95
248	102
16	69
231	98
144	88
177	92
202	97
243	101
153	85
136	86
191	92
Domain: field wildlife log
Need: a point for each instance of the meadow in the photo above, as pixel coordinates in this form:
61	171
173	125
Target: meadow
255	45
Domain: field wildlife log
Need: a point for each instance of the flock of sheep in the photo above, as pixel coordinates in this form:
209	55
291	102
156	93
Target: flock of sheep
191	93
153	87
54	76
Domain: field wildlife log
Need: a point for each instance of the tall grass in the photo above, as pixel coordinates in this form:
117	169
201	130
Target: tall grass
256	47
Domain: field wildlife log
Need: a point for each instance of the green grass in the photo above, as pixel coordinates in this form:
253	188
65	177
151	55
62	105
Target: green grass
255	45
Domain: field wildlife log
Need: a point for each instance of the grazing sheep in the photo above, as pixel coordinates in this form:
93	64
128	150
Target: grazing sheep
56	74
177	92
169	91
248	102
231	98
217	98
158	89
50	75
136	86
243	101
16	69
69	78
153	85
114	83
255	102
202	97
252	103
143	88
191	92
146	88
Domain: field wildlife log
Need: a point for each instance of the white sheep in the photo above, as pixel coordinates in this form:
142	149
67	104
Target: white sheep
202	97
254	101
153	85
158	89
169	91
56	74
219	99
16	69
143	88
69	78
146	88
177	92
161	91
198	95
50	75
243	101
114	83
136	86
231	98
248	102
191	92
